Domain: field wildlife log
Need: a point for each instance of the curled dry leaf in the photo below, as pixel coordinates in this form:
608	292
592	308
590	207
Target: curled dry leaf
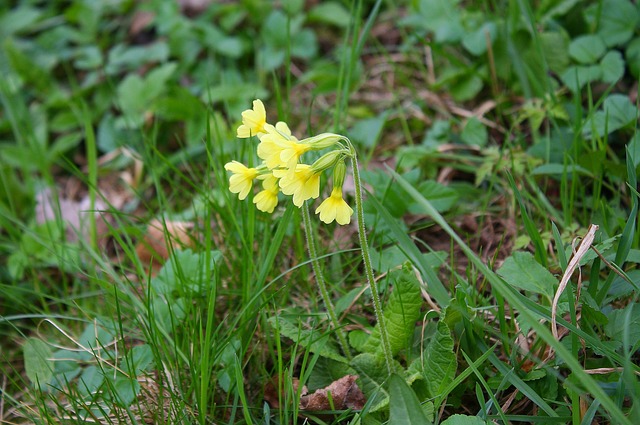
339	395
154	247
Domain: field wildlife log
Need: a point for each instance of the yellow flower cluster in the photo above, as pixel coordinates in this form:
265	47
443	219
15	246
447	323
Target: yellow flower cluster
282	171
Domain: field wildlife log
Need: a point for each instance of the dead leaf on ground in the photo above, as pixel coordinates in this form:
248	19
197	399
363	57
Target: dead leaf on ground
154	248
342	394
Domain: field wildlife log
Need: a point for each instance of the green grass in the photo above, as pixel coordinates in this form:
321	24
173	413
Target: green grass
471	221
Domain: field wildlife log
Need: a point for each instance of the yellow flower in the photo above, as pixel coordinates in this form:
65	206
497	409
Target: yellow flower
291	151
241	180
267	199
303	183
335	208
253	120
270	147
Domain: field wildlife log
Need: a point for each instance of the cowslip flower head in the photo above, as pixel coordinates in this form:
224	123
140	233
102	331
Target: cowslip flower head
303	183
267	199
335	208
241	180
253	121
270	146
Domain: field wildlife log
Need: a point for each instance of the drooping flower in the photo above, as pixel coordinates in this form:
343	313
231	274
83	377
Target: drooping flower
267	199
241	180
272	142
303	183
335	208
291	152
253	121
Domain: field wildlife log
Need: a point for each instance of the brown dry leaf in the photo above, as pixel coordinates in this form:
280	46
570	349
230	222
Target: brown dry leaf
154	247
272	391
74	214
340	395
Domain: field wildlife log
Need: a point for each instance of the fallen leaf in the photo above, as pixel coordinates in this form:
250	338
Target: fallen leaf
339	395
160	236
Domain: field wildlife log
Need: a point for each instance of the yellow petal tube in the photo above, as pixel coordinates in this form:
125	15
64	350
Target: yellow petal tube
335	208
267	199
253	121
241	180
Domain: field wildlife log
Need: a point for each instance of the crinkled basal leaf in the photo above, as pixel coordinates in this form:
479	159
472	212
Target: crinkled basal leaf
313	340
440	362
37	363
372	371
524	272
404	406
401	312
186	269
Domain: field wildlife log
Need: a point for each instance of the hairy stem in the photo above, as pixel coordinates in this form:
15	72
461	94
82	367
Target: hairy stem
362	233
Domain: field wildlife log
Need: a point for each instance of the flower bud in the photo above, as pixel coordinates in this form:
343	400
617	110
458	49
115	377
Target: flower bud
322	141
339	173
326	161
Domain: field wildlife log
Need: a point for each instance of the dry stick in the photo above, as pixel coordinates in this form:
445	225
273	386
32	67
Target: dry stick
573	264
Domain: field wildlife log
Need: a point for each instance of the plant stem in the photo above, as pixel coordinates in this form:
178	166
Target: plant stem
373	285
315	264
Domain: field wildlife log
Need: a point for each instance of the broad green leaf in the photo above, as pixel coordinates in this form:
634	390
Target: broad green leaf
90	381
325	371
187	270
442	197
404	406
440	362
575	77
476	41
587	49
330	12
522	271
555	49
618	21
612	66
368	131
463	420
313	340
37	361
617	112
124	390
401	312
624	325
442	17
474	133
632	55
372	372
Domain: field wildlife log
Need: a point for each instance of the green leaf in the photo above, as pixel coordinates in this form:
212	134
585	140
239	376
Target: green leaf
313	340
330	12
617	112
186	269
37	361
442	17
587	49
125	390
624	325
368	131
612	66
463	420
632	54
404	406
474	133
524	272
372	372
401	312
440	362
555	49
442	197
476	42
575	77
617	21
